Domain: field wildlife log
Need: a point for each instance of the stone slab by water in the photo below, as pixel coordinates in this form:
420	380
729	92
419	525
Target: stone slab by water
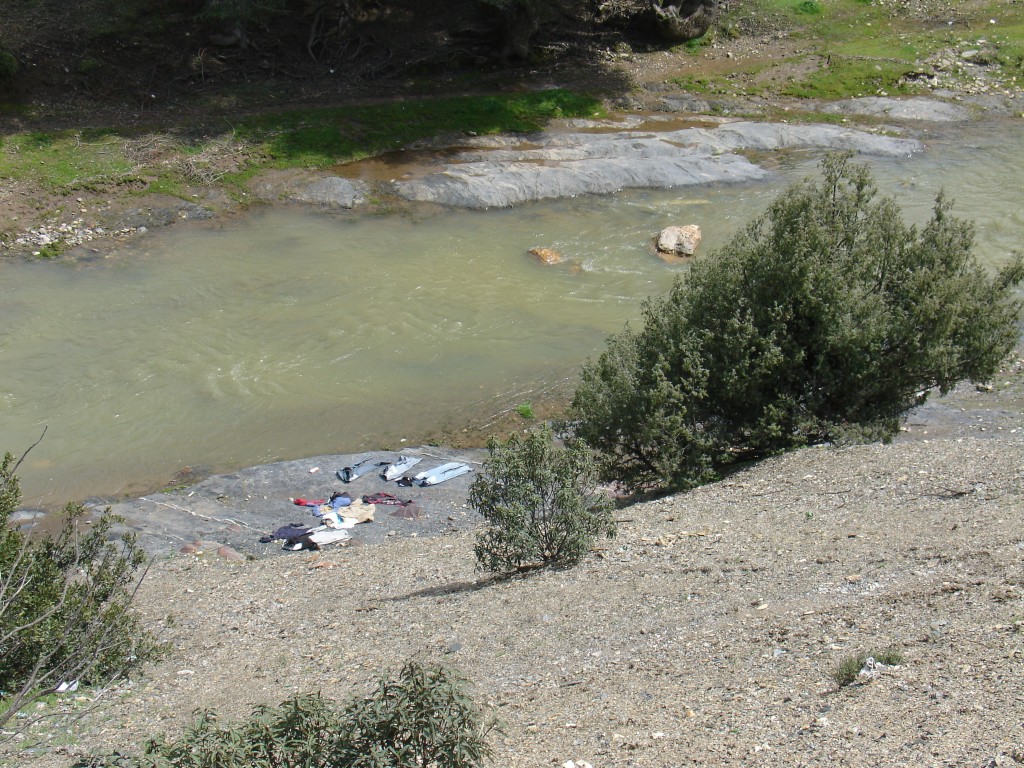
553	165
930	110
234	510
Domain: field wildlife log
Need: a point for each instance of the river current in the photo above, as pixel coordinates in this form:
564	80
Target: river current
292	332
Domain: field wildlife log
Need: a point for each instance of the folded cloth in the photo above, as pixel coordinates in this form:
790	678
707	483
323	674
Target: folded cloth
290	531
328	536
384	498
359	511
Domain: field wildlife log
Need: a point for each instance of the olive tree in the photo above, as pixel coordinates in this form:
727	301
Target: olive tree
65	604
826	319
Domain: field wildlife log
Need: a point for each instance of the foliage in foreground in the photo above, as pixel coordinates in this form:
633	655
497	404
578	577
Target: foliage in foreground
540	501
421	718
826	319
65	605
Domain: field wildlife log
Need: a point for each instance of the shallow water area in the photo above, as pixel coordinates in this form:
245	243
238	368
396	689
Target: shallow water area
293	332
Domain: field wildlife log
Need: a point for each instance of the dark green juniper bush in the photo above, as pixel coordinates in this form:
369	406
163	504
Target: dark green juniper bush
824	320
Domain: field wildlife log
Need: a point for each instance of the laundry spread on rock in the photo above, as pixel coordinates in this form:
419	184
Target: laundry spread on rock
338	514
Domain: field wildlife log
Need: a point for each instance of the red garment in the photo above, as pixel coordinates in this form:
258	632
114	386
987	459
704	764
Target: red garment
308	502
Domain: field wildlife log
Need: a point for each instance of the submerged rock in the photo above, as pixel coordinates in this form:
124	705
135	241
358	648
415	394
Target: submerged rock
546	255
302	187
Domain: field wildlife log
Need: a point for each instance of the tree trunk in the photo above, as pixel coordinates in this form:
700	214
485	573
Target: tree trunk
521	22
682	20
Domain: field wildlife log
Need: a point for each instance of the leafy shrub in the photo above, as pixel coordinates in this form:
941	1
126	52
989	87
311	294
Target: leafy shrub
65	605
826	319
422	718
540	501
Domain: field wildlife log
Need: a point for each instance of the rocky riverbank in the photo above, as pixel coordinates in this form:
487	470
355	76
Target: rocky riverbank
572	158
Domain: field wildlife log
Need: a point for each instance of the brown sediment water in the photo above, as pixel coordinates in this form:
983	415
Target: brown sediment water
289	332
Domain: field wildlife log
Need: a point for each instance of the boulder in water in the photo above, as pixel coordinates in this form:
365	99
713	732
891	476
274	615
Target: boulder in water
682	241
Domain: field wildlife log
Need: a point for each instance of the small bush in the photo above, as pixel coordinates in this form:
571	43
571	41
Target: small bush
809	7
8	64
825	320
846	673
65	605
422	718
849	669
525	409
541	503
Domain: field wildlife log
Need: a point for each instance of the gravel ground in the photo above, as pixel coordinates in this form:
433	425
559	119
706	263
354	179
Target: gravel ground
705	633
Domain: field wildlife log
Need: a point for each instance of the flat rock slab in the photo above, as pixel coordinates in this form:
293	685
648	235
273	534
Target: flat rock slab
234	510
929	110
304	187
553	165
331	191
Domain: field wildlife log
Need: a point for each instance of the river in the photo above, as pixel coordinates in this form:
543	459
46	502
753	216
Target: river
292	332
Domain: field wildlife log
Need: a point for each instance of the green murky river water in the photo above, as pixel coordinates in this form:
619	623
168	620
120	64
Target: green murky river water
291	333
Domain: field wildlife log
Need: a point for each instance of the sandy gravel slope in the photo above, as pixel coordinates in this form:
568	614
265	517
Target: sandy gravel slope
705	634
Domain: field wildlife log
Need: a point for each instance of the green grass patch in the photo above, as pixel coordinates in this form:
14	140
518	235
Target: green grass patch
698	44
846	77
310	138
809	7
733	81
51	250
872	47
64	160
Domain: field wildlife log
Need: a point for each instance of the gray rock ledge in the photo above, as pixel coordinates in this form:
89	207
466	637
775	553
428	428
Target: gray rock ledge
554	165
930	110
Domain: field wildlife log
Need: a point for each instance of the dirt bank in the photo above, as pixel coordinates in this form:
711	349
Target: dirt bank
706	633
